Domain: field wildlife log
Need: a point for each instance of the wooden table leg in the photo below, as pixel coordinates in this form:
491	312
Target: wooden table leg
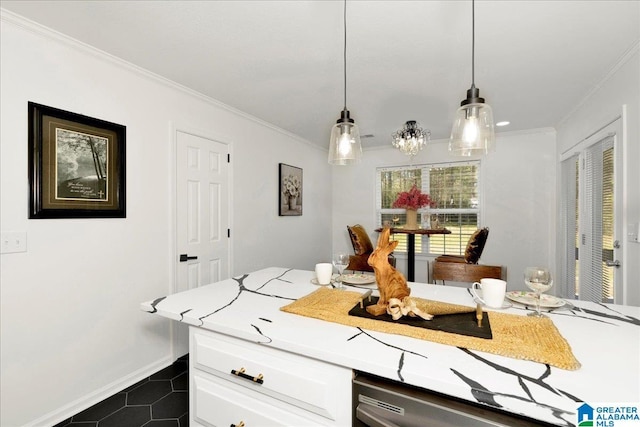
411	257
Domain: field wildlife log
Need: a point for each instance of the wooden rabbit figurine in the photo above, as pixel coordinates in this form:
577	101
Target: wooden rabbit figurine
391	283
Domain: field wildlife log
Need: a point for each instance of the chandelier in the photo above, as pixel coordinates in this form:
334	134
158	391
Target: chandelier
411	138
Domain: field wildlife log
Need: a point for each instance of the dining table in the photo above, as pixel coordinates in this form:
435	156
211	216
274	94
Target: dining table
411	244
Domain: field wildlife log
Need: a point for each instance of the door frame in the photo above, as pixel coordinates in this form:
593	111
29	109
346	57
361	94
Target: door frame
173	167
617	127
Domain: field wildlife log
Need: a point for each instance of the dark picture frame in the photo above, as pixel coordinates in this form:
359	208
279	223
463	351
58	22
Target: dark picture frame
77	165
290	200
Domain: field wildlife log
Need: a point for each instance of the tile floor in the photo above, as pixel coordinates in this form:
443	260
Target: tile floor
161	400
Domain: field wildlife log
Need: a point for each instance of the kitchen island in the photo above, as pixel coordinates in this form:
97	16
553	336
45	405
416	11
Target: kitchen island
241	317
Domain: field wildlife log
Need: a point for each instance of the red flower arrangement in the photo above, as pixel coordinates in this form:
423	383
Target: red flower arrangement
412	199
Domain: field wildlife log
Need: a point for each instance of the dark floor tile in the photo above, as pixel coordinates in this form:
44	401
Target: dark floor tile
181	382
165	394
102	409
69	423
170	371
162	423
149	392
131	416
173	405
136	385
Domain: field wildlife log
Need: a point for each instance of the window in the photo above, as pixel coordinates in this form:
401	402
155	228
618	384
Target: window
453	188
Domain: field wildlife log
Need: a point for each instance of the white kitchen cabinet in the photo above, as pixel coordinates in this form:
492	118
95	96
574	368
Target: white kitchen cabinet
233	381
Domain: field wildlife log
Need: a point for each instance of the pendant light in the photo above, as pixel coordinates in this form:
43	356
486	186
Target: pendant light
345	147
472	131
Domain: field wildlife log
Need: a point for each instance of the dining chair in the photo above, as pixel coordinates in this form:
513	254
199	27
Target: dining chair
362	248
473	250
462	272
465	268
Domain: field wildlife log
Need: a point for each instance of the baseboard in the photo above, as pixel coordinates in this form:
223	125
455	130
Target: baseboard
67	411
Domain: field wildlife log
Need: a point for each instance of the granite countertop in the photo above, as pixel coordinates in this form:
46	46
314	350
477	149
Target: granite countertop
605	339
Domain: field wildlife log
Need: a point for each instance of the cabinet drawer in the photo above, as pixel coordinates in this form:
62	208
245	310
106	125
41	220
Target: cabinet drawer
315	386
219	405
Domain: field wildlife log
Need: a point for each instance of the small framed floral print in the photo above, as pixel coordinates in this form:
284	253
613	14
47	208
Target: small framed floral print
290	200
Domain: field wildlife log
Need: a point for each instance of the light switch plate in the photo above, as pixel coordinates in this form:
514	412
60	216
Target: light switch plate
12	242
632	232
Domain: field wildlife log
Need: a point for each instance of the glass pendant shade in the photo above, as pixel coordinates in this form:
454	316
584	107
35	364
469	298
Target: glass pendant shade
344	146
473	131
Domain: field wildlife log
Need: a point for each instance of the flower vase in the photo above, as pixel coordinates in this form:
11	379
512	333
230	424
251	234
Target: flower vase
412	219
426	220
292	203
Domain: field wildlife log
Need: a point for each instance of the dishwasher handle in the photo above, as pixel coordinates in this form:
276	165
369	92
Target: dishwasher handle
372	420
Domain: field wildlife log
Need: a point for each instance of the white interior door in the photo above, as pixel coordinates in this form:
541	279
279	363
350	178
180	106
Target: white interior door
202	217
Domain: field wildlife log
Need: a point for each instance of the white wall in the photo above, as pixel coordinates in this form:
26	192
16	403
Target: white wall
71	327
517	200
620	88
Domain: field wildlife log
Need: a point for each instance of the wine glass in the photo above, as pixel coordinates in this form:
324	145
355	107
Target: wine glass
340	261
538	279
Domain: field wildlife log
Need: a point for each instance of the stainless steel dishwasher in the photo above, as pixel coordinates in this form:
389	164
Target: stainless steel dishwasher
379	402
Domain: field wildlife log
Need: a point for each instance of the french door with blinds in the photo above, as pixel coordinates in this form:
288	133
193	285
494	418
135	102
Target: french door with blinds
590	221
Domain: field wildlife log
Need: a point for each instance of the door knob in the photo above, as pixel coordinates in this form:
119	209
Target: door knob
615	263
185	257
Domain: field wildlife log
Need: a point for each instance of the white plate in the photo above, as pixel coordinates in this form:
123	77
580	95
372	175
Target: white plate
315	282
359	279
505	305
529	298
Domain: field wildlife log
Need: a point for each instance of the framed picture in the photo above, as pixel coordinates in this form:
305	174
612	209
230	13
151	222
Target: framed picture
76	165
290	190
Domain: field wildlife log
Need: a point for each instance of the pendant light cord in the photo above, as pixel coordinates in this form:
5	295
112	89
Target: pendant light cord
473	43
345	53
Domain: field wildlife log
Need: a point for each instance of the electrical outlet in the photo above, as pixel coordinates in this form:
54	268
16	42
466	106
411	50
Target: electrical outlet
12	242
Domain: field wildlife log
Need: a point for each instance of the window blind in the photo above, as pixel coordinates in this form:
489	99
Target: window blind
567	285
453	188
597	228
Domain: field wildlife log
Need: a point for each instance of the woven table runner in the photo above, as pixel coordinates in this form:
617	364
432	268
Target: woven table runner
518	337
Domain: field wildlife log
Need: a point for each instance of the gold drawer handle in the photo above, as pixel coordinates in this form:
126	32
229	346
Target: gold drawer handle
240	424
241	373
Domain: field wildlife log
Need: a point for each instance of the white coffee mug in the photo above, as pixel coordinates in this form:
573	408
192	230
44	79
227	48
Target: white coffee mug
324	271
493	291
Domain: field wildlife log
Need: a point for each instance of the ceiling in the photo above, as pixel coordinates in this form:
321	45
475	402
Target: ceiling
282	61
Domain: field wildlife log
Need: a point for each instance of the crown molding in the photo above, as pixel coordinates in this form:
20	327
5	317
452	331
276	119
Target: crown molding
40	30
626	57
